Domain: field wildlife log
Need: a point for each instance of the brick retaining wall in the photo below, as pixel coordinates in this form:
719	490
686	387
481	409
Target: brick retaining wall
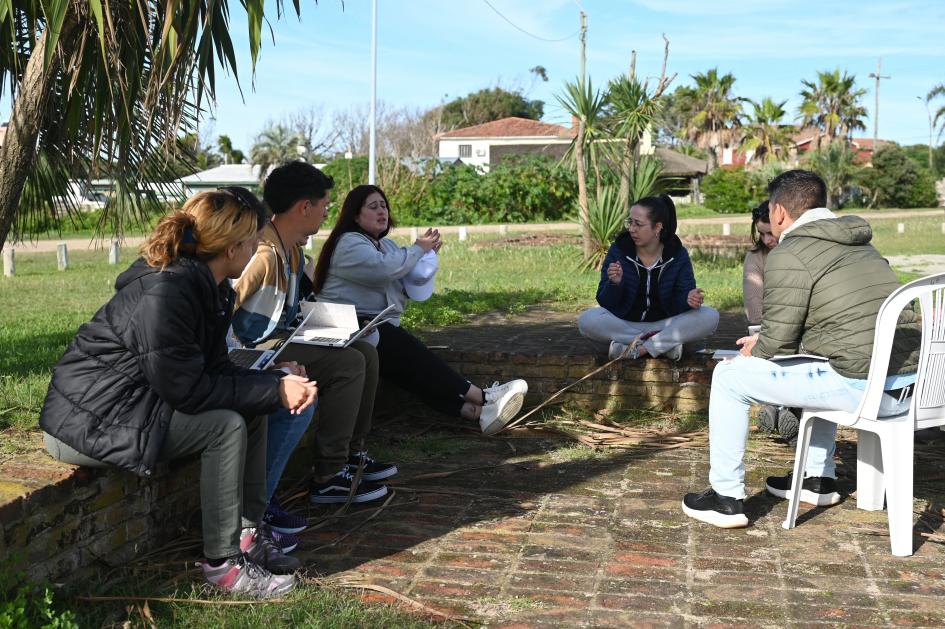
60	522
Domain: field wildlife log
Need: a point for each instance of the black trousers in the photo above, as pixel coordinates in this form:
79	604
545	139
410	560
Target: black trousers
408	363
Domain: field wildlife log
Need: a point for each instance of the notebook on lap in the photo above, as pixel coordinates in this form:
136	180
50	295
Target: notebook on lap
334	325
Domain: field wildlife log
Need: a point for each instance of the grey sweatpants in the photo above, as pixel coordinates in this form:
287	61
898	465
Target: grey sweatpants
232	470
598	324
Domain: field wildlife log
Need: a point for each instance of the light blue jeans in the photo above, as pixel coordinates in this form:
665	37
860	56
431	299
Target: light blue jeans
285	432
743	380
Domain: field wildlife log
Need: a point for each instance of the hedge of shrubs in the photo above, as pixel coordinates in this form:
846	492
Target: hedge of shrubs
433	193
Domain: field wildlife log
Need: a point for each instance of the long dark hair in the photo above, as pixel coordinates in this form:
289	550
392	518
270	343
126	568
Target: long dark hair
346	223
661	209
760	214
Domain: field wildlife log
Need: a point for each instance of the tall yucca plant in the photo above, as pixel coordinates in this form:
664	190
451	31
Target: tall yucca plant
835	164
104	88
644	178
586	105
606	219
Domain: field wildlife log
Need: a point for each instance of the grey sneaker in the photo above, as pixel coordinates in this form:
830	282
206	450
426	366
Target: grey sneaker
503	402
260	548
239	575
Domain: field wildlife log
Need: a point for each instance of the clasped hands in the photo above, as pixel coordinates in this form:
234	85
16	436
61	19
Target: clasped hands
296	391
430	240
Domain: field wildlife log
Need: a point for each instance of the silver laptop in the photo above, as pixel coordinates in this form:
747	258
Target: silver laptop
334	325
251	358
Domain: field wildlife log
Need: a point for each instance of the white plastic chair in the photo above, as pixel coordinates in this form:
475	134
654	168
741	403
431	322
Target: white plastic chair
884	456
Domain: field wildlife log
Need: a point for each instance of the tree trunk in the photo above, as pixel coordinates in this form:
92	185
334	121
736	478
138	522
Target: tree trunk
713	158
583	212
626	163
19	145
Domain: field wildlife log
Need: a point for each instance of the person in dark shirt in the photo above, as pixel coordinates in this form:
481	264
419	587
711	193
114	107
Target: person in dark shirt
649	302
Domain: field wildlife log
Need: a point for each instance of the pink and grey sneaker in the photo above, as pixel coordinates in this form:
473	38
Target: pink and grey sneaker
239	575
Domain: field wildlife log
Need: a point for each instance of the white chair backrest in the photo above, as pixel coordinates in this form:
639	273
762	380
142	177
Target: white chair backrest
930	385
929	397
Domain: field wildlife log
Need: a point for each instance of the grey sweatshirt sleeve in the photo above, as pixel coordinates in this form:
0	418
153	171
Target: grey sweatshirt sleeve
357	260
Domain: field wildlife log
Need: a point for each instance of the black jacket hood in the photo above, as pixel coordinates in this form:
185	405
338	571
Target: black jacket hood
625	243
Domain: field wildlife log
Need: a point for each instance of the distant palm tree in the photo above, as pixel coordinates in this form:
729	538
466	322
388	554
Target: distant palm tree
275	145
834	163
939	115
230	154
715	112
764	134
832	104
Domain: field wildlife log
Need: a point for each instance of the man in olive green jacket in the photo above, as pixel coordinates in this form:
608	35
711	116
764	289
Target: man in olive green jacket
823	287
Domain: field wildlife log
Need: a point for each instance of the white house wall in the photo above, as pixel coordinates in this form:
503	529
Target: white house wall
480	149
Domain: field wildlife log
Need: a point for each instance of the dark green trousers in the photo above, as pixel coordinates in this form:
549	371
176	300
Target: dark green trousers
347	382
232	471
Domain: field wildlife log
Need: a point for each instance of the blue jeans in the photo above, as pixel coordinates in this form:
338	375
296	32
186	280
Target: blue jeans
285	432
741	381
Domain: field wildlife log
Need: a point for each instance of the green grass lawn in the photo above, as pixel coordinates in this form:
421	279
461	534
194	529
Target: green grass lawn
41	307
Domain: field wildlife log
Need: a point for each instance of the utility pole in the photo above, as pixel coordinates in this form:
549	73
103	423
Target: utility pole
925	101
583	39
878	75
372	144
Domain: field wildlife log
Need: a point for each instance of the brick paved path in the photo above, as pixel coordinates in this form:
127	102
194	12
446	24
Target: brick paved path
544	537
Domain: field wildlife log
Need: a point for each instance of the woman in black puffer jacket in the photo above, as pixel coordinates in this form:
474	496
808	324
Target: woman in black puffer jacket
148	380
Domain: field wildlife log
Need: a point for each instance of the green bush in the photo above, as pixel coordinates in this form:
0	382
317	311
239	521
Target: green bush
515	191
728	190
24	604
897	181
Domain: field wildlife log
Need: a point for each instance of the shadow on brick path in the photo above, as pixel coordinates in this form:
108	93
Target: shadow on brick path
526	530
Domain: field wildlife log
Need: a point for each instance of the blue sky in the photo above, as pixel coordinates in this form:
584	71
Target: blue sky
435	49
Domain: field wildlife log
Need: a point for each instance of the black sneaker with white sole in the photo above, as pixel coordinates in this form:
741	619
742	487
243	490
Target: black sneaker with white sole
338	488
371	470
715	509
820	491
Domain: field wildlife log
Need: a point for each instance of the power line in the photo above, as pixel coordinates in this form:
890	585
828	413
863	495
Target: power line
519	28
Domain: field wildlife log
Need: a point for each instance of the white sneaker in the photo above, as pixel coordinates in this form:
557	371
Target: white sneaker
503	402
617	350
674	354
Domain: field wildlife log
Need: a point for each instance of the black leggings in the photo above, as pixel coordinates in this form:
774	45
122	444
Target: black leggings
408	363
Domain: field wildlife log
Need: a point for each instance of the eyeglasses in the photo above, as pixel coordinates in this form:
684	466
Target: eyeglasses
632	223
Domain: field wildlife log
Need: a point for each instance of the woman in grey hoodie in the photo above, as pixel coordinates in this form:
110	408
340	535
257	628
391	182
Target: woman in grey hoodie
359	265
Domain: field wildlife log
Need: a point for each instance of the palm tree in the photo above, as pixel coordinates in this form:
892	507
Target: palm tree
832	105
764	134
230	154
586	106
275	145
714	112
834	163
106	88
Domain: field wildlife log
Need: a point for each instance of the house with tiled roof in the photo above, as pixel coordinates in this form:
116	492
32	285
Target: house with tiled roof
486	144
804	140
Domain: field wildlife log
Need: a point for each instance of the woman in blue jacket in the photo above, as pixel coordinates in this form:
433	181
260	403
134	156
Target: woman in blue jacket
649	303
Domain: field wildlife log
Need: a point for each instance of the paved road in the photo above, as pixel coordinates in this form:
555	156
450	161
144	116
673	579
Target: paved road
84	243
